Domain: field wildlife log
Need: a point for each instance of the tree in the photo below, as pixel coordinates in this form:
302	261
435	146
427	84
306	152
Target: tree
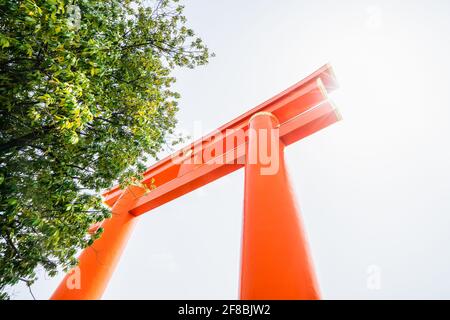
85	99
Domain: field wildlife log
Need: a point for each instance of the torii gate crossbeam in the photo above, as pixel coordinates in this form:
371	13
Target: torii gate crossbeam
275	259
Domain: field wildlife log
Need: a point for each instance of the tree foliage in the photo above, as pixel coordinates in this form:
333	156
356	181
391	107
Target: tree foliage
85	98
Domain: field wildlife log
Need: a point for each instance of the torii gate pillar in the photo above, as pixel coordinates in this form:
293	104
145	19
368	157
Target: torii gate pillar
98	262
275	260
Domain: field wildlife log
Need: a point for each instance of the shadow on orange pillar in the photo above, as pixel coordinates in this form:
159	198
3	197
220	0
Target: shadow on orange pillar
275	261
97	263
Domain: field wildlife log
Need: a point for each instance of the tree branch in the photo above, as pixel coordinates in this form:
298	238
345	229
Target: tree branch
24	140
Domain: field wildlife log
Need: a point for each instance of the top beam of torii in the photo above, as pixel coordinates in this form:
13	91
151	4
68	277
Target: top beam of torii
301	110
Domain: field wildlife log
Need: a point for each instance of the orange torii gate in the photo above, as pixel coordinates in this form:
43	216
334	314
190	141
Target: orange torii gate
275	261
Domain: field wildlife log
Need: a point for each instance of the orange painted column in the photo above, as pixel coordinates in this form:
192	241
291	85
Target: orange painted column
275	261
89	280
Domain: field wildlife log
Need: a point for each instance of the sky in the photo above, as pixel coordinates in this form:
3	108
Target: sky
374	189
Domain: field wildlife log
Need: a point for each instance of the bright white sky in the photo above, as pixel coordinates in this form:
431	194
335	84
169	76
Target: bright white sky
374	189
